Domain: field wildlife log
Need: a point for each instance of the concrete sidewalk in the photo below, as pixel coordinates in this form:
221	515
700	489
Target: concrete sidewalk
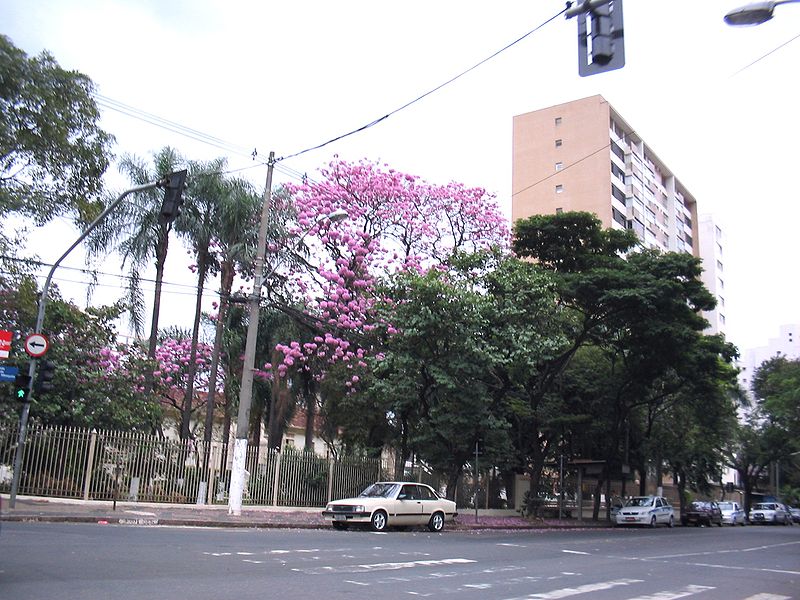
37	509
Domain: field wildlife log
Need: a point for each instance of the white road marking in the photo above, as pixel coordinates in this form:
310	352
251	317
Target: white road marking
689	590
583	589
575	552
390	566
255	562
356	582
513	545
768	597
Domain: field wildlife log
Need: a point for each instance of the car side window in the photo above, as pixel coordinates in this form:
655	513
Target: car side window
406	493
424	493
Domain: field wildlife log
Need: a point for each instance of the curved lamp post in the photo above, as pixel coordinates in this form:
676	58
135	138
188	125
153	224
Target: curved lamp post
246	390
754	13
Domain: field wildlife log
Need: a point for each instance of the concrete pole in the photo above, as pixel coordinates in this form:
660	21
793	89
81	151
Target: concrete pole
246	390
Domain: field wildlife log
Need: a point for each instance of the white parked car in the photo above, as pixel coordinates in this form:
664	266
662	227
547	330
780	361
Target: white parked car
732	513
646	510
773	513
392	503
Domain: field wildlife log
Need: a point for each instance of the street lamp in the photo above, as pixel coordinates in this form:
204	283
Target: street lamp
754	13
173	188
254	301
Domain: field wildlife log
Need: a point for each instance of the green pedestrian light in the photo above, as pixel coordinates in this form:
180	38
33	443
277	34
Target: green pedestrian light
22	384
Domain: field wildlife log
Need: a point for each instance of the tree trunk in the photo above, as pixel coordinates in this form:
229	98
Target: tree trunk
161	259
188	394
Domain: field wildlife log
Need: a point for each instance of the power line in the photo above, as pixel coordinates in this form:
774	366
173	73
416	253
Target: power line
426	94
786	43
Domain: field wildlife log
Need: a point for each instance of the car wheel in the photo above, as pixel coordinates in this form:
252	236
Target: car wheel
437	522
378	522
653	522
720	523
671	523
339	526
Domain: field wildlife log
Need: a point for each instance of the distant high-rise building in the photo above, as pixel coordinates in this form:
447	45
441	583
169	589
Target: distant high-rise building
583	156
786	344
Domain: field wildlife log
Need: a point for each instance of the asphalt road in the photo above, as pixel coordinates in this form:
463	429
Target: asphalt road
61	560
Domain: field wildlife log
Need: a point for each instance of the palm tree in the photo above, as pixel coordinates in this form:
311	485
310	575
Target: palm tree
198	227
235	230
135	231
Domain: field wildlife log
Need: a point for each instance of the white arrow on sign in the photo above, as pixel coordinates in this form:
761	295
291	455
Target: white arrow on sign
36	345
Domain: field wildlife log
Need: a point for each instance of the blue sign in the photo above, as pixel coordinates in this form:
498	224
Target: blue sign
8	373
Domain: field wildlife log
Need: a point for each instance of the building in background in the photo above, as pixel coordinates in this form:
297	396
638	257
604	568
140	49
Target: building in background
787	344
711	242
583	156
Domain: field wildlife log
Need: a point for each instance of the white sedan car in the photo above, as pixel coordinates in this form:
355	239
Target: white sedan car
774	513
646	510
732	513
392	503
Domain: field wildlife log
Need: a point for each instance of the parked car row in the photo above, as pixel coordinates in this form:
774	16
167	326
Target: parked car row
401	503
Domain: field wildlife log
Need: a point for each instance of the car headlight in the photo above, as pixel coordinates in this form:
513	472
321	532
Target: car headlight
360	509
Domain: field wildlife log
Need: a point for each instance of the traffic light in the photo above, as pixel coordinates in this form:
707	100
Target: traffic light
22	384
173	185
44	379
600	35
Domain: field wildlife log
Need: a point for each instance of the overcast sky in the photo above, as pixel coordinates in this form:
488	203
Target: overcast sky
719	105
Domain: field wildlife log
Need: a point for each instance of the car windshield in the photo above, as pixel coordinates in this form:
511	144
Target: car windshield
726	505
766	506
379	490
699	505
640	501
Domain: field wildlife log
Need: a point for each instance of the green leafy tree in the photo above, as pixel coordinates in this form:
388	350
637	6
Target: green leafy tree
96	380
776	386
52	151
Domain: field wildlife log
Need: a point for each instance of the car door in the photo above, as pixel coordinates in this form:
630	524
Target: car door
429	502
407	507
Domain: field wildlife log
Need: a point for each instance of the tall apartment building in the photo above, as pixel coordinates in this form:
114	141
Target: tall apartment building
583	156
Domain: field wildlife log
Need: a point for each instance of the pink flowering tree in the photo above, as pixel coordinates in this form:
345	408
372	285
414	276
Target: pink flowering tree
396	222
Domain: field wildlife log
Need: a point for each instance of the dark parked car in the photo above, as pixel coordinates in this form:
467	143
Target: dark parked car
795	512
702	513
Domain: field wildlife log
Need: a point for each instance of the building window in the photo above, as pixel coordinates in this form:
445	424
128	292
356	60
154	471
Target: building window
722	303
618	217
559	210
719	265
559	188
558	143
722	319
617	193
559	166
721	283
617	150
558	120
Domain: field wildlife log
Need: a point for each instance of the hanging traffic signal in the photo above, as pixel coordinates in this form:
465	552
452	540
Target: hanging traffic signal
44	378
173	185
22	385
601	44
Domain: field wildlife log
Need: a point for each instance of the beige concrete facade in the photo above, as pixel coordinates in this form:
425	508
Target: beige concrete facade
583	156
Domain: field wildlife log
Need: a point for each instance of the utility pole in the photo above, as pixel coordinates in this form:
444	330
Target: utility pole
246	390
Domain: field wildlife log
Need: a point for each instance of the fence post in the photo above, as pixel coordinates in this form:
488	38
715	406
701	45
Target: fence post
277	479
330	479
87	478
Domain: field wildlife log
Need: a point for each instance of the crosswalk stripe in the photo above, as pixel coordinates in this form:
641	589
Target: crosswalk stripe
768	597
583	589
689	590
